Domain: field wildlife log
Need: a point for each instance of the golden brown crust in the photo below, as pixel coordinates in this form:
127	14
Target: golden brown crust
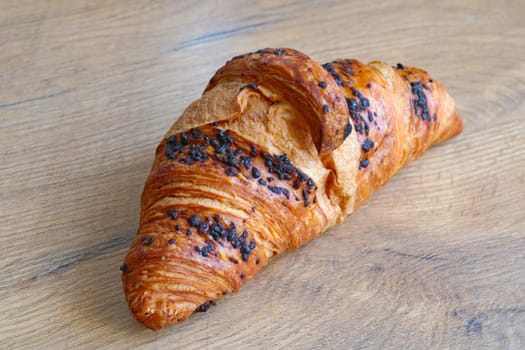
252	170
393	128
298	77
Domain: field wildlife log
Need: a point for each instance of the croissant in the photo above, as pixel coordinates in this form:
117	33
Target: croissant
277	150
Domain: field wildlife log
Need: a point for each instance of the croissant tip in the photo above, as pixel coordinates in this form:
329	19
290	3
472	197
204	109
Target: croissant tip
154	322
147	314
154	319
154	315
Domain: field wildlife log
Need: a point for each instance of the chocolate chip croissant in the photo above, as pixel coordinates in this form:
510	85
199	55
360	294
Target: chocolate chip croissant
277	150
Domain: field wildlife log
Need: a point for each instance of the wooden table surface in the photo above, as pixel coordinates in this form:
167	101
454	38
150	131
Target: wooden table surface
436	259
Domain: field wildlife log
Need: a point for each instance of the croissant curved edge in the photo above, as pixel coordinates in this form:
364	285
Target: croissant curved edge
277	150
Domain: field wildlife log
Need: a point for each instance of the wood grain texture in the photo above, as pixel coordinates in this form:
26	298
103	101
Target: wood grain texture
436	259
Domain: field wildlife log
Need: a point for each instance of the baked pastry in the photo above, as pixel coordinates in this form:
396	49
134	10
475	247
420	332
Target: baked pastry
277	150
